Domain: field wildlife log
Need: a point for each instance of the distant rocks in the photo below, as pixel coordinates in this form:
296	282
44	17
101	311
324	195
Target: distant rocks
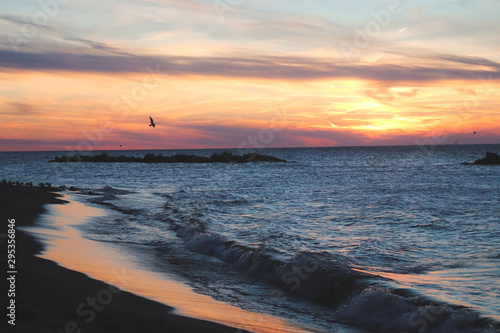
490	159
42	185
177	158
6	183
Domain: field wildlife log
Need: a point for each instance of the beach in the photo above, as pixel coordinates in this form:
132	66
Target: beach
49	298
339	240
250	166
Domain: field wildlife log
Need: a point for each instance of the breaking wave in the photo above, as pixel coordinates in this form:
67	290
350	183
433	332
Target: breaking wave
357	298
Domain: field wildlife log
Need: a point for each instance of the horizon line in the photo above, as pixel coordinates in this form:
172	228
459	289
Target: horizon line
236	148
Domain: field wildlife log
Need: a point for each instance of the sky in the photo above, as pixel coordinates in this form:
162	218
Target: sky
87	74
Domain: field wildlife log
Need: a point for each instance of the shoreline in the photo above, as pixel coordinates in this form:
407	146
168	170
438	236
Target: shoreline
51	298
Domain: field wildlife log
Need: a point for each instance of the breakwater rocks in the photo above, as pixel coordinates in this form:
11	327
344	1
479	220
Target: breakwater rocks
491	158
177	158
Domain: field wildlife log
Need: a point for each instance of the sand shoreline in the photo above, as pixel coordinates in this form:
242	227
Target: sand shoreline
50	298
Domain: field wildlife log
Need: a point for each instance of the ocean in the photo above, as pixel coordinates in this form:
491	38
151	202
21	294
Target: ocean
380	239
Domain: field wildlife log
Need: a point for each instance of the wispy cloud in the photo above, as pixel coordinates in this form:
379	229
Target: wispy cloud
290	68
95	45
20	21
20	109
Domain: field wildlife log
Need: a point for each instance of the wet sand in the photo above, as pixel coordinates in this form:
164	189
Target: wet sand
50	298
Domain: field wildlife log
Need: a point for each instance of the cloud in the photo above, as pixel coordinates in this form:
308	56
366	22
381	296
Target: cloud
187	5
19	109
10	144
23	22
95	45
387	95
233	137
248	137
262	67
468	60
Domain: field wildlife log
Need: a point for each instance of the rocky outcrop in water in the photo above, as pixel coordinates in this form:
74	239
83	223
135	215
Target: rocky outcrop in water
177	158
490	159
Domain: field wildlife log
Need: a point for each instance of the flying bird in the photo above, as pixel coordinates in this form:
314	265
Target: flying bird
152	122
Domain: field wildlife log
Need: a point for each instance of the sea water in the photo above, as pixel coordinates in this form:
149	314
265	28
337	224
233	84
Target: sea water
393	239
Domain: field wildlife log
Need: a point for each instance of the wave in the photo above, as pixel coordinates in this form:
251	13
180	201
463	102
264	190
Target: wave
108	190
382	309
317	276
359	298
106	194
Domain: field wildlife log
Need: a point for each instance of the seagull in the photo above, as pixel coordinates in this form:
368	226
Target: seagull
152	122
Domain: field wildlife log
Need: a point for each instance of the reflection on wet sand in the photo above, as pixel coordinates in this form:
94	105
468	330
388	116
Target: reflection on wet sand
64	245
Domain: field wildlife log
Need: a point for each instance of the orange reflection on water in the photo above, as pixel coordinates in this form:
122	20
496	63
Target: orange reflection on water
445	285
113	265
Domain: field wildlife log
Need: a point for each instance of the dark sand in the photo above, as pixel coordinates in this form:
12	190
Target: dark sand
47	295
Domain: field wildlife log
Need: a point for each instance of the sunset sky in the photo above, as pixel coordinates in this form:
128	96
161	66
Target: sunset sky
87	74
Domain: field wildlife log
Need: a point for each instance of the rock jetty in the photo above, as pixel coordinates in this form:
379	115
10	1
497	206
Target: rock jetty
490	159
177	158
